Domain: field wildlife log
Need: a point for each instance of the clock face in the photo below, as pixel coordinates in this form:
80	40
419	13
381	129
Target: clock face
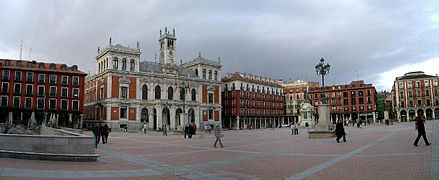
170	55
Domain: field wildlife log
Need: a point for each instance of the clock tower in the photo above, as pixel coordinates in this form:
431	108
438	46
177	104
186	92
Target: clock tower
167	47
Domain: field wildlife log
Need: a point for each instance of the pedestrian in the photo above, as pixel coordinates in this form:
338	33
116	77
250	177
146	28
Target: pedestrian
145	127
96	133
102	132
106	133
165	130
419	122
218	136
206	128
186	130
194	129
292	129
358	123
339	131
296	129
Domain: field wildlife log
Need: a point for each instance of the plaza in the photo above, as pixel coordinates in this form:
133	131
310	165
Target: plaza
373	152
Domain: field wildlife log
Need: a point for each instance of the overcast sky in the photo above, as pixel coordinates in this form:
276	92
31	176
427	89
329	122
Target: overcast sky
374	41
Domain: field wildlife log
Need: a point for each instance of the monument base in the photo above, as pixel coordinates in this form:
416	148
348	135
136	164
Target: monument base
321	134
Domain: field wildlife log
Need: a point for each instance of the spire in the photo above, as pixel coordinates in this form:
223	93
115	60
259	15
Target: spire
110	41
137	44
160	32
166	30
219	59
21	47
173	31
181	61
99	49
199	54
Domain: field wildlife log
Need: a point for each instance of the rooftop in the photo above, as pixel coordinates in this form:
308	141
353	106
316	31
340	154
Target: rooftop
34	65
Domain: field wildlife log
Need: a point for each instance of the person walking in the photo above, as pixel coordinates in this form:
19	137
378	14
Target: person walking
96	133
165	130
358	123
419	122
106	132
296	129
339	131
292	129
186	130
145	127
218	135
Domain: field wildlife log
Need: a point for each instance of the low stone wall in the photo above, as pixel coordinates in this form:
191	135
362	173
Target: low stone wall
52	144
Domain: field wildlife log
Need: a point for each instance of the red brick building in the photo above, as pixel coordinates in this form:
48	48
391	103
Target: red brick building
353	101
129	93
250	100
43	89
416	93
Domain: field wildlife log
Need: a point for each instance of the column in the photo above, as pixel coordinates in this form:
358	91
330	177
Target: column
238	123
374	117
151	118
80	120
172	118
45	119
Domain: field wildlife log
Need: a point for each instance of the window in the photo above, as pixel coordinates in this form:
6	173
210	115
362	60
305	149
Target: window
210	97
17	75
418	84
28	103
29	90
40	103
216	76
41	65
30	77
18	64
4	102
196	72
52	79
75	80
64	93
124	92
75	105
64	79
426	83
124	64
52	92
123	112
5	76
170	93
157	91
52	104
182	94
144	92
16	102
194	95
5	88
132	65
115	63
7	63
41	91
42	78
17	89
419	102
64	104
204	73
52	66
75	92
29	64
210	74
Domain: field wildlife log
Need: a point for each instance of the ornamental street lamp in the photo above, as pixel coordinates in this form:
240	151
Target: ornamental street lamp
183	88
322	69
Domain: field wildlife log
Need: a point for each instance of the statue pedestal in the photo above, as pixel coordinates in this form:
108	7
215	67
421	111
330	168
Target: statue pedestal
321	130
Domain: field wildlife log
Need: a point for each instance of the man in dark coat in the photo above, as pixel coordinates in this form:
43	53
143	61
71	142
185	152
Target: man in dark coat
186	130
97	133
339	131
419	122
106	132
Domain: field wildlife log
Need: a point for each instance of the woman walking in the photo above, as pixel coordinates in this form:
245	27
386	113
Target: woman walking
419	122
339	131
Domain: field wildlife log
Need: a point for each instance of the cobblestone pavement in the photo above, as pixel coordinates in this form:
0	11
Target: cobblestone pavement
372	152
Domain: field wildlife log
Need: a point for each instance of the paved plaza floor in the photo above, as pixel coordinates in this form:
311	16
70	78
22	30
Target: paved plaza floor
372	152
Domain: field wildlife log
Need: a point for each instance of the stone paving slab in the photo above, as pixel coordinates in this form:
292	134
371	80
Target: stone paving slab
372	152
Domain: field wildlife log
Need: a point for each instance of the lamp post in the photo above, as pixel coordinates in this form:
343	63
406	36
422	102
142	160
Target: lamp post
322	69
183	87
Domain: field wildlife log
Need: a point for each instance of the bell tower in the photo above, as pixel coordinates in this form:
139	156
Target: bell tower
167	47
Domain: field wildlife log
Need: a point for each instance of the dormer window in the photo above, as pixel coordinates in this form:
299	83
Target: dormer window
115	63
7	63
18	63
74	68
52	66
41	65
63	67
124	64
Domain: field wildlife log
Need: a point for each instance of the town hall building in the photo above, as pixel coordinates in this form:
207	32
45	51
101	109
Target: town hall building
128	93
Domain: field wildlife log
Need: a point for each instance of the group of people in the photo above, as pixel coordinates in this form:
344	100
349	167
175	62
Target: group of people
189	130
100	131
294	129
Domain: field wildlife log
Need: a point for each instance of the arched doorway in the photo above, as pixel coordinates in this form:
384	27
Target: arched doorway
412	114
429	114
154	121
166	120
436	113
178	118
420	112
144	116
403	116
191	115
